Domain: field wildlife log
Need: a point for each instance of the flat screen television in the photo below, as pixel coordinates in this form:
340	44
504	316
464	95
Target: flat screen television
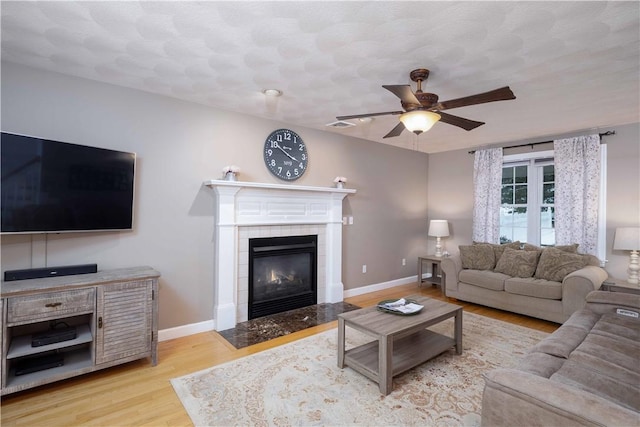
55	187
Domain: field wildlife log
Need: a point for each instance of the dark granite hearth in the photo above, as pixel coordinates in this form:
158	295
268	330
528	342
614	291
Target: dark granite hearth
276	325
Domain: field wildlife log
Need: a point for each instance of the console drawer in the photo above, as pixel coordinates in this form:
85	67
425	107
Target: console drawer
55	305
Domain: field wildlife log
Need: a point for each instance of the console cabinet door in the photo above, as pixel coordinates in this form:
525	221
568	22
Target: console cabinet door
124	321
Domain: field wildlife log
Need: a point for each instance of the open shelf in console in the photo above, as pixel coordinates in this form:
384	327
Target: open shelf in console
21	345
76	359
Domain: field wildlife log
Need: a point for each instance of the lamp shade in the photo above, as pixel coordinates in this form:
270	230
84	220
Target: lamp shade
438	228
627	239
418	121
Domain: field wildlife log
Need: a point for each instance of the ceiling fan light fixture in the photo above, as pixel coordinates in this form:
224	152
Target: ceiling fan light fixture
418	121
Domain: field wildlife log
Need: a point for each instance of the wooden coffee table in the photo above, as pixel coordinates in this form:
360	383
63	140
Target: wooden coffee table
402	342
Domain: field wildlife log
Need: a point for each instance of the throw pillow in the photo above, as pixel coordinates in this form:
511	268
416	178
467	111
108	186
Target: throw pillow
530	247
555	264
568	248
517	263
498	249
477	257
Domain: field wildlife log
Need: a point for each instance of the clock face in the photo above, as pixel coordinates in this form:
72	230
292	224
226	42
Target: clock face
285	154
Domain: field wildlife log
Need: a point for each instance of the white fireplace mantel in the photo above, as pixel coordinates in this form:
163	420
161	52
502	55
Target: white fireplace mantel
240	204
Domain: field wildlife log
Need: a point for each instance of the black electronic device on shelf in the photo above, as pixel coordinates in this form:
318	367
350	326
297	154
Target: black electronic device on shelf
38	363
53	336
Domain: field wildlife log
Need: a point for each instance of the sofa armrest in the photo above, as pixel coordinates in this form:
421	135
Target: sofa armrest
517	398
451	266
577	285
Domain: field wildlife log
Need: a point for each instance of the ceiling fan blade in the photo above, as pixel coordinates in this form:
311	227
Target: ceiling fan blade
395	131
502	94
359	116
461	122
403	92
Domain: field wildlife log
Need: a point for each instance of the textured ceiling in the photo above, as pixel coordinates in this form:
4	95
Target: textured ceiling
572	65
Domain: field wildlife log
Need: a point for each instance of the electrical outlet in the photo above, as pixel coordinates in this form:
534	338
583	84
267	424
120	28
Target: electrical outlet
344	220
404	261
364	268
350	220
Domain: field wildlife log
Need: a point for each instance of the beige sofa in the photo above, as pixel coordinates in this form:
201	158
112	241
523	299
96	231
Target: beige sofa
549	283
586	373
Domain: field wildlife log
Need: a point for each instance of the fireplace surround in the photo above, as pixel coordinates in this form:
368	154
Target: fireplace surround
245	210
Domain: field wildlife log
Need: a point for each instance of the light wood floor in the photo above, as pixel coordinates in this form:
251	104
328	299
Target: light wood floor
137	394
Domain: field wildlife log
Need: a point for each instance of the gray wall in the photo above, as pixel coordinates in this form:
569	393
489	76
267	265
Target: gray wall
180	145
450	191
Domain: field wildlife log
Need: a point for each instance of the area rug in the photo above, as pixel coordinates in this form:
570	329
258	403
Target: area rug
300	383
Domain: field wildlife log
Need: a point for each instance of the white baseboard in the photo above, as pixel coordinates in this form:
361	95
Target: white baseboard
209	325
379	286
185	330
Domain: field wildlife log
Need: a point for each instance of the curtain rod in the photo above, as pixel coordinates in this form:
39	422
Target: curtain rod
531	144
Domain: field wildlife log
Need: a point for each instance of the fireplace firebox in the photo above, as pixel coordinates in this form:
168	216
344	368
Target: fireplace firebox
282	274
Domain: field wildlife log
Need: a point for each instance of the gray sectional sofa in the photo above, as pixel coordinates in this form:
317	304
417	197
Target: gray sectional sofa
550	283
586	373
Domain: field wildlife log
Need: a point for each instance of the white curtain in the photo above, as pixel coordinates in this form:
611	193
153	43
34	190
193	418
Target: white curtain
577	184
487	182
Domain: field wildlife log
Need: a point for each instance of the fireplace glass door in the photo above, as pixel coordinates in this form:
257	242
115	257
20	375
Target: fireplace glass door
282	274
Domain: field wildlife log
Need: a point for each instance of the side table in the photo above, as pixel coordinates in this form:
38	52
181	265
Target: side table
437	275
619	285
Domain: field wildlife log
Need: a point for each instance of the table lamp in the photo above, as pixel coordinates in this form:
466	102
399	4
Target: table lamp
628	239
438	228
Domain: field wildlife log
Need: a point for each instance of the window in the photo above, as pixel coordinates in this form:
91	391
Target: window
527	206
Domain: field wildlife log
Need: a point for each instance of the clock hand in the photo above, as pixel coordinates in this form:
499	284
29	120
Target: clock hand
287	154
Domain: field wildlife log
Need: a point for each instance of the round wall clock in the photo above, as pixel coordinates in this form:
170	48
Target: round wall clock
285	154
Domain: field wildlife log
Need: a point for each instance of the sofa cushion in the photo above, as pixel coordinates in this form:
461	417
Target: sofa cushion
517	263
531	287
602	356
555	264
498	249
484	279
617	358
619	327
477	257
562	342
583	319
540	364
584	377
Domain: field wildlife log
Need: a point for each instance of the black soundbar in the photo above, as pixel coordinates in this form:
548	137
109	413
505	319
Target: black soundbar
38	273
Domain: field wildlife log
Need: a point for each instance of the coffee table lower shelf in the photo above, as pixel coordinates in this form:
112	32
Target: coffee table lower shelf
408	352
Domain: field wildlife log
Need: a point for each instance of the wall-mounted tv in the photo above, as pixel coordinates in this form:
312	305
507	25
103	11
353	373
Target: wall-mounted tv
54	187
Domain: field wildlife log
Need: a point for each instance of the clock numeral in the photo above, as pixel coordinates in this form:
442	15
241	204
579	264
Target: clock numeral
279	169
304	156
270	152
288	174
295	171
273	163
301	165
301	147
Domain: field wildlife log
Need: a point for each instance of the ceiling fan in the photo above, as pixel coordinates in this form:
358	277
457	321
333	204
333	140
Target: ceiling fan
422	110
